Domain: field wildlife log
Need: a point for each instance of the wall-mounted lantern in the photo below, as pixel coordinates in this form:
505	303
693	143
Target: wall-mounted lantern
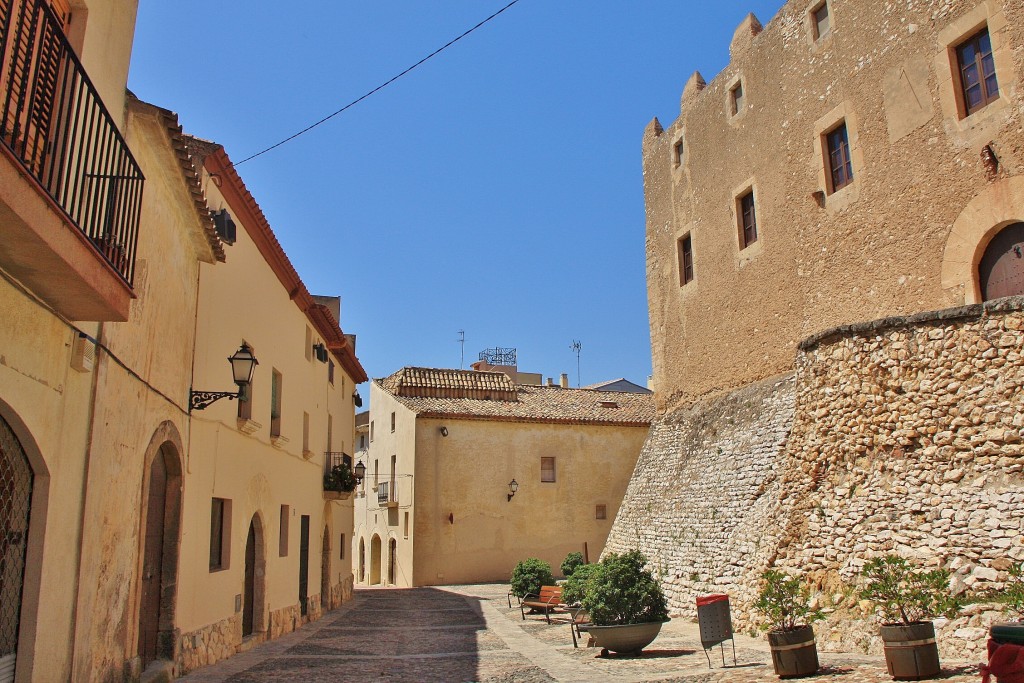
360	472
243	363
513	486
444	431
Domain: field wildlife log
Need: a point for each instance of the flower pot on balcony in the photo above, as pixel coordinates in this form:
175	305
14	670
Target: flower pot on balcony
911	653
626	639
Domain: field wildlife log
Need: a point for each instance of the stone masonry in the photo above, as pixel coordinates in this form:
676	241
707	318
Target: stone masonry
900	435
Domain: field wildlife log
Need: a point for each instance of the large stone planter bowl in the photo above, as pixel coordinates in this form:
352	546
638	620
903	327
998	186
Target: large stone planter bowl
628	639
794	653
910	651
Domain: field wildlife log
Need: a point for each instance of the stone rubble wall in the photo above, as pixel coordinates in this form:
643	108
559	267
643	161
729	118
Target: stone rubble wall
901	435
704	489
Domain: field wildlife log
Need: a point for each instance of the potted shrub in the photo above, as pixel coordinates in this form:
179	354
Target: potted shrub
570	563
785	605
626	604
1004	662
907	599
529	575
340	479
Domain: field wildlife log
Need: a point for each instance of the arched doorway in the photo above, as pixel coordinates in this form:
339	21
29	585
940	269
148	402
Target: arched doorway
375	559
325	571
362	560
1001	269
15	499
392	549
253	602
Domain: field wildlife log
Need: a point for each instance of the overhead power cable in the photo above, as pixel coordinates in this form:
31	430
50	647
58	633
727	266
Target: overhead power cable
377	89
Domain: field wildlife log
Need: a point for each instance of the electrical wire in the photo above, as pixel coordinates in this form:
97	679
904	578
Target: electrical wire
377	89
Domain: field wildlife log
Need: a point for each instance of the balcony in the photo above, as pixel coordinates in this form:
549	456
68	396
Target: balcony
70	190
387	495
339	481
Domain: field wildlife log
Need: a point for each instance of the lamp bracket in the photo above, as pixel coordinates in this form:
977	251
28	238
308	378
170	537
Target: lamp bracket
198	400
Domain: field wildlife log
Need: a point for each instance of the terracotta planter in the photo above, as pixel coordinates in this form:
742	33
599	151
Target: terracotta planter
794	653
910	651
628	639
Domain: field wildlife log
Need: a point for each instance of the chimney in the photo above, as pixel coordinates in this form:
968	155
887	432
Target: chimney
551	382
563	381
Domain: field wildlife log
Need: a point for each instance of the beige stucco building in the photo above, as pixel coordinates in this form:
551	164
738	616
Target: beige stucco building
117	301
444	447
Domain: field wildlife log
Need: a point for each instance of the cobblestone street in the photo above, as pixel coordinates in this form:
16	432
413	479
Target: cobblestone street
468	633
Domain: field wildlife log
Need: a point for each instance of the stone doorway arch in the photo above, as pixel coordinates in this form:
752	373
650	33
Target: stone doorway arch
325	571
160	538
376	559
997	206
16	480
1001	269
254	617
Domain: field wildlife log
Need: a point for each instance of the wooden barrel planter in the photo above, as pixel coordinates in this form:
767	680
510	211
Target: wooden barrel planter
911	653
794	653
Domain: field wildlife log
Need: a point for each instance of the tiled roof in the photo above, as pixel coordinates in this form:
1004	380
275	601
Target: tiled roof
532	403
443	383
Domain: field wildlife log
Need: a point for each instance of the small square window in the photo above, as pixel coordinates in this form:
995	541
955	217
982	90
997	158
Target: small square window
547	469
677	154
736	99
748	220
821	21
685	248
976	68
840	166
601	512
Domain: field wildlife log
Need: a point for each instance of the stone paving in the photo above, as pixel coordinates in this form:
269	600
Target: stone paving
469	633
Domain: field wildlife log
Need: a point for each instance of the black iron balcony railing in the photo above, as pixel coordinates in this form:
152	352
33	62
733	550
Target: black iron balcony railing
334	458
54	123
385	494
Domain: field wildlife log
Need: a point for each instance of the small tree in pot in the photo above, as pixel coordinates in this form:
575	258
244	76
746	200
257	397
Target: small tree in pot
785	604
907	599
570	563
625	602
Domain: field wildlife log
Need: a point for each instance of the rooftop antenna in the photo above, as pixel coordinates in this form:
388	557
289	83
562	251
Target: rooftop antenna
576	346
462	348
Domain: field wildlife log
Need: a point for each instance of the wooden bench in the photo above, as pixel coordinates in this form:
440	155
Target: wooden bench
579	625
550	598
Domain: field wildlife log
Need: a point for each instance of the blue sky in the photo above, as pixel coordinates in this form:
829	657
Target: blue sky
496	189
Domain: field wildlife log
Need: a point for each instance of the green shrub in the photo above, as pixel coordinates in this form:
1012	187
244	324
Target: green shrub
1014	591
570	563
575	587
623	591
784	602
340	478
905	593
529	575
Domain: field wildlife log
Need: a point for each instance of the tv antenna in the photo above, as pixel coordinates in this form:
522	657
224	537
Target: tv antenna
462	348
575	347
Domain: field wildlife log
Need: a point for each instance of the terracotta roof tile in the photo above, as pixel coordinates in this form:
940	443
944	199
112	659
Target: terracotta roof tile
413	388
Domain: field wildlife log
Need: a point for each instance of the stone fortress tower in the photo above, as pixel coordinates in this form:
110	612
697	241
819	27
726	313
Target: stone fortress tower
834	249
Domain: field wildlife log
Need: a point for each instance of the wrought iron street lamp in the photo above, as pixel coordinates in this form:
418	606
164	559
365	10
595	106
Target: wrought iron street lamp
513	486
360	472
243	363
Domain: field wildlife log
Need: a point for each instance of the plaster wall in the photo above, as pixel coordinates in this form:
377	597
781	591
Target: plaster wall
102	33
873	249
466	476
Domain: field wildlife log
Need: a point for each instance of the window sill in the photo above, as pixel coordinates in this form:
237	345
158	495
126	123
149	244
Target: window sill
279	441
247	426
